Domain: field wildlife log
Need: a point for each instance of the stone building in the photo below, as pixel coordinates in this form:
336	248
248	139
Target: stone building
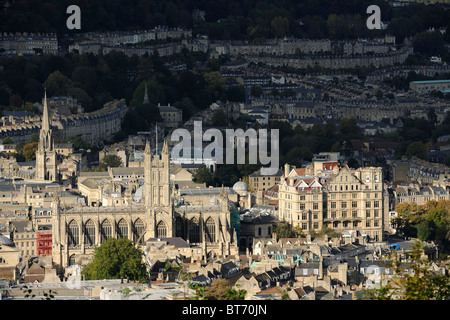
339	198
29	43
160	212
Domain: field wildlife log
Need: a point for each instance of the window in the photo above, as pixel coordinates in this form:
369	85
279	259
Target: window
123	229
106	231
376	213
210	230
73	234
138	230
89	235
354	204
194	231
315	206
161	230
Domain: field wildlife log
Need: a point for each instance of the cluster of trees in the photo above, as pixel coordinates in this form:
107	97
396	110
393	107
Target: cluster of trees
25	151
428	222
95	80
228	19
423	284
417	136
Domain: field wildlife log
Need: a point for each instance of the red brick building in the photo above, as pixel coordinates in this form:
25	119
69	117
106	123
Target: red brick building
44	242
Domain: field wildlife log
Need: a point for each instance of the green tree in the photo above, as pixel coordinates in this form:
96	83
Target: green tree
57	84
417	149
422	284
203	175
29	151
8	140
111	161
426	230
280	26
256	91
116	259
219	118
353	163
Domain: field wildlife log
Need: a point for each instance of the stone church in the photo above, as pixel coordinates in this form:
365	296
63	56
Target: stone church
155	210
46	166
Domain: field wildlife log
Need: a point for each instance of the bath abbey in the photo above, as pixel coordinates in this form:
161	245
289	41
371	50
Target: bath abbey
137	207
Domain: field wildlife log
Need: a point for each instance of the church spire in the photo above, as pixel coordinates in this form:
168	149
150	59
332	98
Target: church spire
146	94
148	149
165	149
45	118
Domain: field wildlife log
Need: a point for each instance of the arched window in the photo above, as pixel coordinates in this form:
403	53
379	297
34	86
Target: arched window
122	231
179	227
194	231
106	231
210	230
72	260
138	231
89	235
161	230
73	234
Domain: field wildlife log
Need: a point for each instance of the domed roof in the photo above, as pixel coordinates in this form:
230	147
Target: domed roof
6	241
240	186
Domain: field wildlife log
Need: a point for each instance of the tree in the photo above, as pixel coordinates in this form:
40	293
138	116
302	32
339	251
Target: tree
353	163
417	149
111	161
422	284
429	43
426	230
217	290
29	151
219	118
203	175
8	140
280	26
256	91
58	84
116	259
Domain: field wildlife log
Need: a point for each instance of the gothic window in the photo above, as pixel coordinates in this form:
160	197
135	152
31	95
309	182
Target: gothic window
89	235
210	230
73	234
72	260
122	229
179	227
161	230
106	231
194	231
138	230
